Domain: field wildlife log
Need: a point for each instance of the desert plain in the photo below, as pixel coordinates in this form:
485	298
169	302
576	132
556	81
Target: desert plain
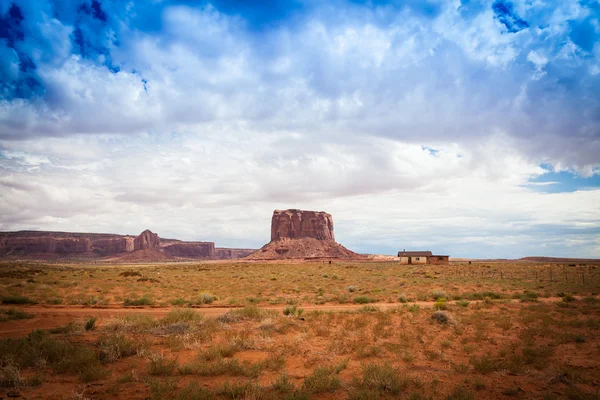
354	329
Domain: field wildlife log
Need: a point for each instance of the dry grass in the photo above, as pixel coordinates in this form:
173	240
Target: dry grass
493	331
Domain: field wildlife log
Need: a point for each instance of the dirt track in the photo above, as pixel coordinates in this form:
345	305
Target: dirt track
54	316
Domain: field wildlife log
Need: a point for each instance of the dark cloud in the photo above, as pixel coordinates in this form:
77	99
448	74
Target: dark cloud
11	28
505	13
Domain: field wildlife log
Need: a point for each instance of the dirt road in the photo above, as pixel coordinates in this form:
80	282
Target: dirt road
46	317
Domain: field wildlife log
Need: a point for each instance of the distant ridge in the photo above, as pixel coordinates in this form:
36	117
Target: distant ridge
148	246
559	259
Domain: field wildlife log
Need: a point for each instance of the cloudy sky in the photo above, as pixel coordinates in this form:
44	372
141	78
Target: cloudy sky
466	127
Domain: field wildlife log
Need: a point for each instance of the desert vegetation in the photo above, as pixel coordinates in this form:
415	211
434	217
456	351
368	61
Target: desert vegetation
231	331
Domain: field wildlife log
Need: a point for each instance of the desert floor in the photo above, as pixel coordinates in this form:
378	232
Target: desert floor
357	330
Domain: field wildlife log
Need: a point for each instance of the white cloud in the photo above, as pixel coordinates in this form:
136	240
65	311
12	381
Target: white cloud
382	193
327	113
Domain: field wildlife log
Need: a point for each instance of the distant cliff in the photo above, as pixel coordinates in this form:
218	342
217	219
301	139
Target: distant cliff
147	245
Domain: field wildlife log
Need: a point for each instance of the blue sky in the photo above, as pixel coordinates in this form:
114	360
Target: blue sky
466	127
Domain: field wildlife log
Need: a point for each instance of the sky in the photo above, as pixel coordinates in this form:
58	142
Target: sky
464	127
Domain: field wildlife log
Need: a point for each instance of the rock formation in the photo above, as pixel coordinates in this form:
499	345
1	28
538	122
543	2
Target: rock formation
190	250
147	240
297	234
145	247
222	253
26	243
295	224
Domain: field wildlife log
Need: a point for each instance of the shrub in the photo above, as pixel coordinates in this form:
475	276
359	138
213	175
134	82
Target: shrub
38	347
442	317
71	327
322	380
227	366
383	378
178	302
130	273
369	351
160	365
363	300
162	388
293	311
180	315
13	313
462	303
437	293
528	296
193	391
568	298
283	384
143	301
368	309
440	304
249	312
117	346
461	393
485	364
90	323
10	374
484	295
415	308
17	299
403	298
206	298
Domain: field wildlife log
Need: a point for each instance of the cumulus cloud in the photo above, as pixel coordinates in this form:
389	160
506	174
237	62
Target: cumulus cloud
220	112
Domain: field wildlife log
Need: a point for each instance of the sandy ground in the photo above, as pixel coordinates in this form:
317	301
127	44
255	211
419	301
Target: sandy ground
47	317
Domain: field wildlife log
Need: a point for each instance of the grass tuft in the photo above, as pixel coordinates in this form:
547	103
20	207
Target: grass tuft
442	317
142	301
364	300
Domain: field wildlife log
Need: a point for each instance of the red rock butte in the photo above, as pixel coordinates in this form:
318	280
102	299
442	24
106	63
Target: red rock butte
295	224
300	234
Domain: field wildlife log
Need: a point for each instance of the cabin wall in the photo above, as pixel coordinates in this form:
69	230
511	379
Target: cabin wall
439	260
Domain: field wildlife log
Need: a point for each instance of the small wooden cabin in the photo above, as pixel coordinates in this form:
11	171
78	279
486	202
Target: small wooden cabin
421	257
